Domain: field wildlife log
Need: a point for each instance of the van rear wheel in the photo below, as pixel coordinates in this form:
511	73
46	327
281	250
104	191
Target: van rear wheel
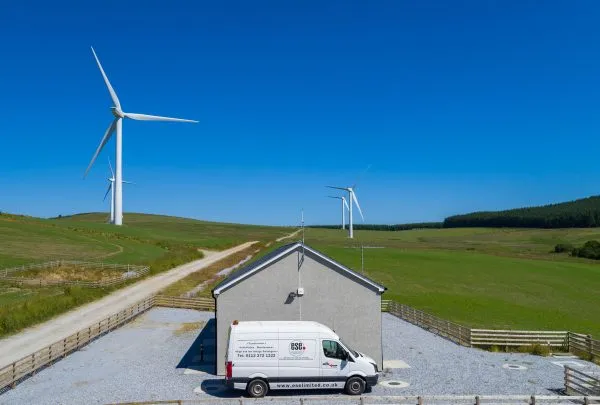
355	386
257	388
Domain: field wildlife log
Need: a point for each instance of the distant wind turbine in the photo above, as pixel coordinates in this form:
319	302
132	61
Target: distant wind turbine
117	125
111	190
352	198
344	206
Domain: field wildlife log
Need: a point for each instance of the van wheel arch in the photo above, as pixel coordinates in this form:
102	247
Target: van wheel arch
355	385
257	387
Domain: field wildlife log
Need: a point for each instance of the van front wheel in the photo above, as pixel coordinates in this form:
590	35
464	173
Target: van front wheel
355	386
257	388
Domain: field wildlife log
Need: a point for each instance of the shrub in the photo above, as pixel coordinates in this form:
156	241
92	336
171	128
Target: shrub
540	350
590	250
563	247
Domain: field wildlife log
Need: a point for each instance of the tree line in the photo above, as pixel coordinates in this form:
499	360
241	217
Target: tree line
582	213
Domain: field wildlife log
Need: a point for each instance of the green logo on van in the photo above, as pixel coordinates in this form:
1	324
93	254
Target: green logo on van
297	348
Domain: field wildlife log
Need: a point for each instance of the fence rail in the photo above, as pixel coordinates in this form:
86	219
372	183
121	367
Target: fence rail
28	365
450	330
9	274
579	383
207	304
491	337
582	345
396	400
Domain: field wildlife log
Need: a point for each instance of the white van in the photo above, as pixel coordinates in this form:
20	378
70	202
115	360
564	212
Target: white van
294	355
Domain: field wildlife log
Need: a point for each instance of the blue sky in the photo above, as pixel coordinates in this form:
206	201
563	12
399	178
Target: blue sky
458	106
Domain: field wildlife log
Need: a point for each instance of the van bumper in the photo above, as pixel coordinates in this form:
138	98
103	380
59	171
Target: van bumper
372	380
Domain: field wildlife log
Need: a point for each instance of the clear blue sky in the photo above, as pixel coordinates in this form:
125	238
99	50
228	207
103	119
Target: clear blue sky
459	106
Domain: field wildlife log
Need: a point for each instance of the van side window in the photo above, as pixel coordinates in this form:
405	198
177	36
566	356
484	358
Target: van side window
333	350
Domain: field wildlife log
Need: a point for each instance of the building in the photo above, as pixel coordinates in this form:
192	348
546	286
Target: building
296	282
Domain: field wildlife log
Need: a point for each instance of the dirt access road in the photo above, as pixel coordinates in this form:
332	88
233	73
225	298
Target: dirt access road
37	337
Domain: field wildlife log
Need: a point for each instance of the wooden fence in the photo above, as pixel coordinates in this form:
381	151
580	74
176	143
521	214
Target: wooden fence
9	274
450	330
380	400
496	337
580	383
205	304
22	368
582	345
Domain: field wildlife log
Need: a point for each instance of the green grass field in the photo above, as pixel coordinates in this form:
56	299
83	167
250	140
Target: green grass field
481	277
496	278
160	242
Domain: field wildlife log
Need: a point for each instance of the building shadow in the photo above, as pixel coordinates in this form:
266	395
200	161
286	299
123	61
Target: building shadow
202	353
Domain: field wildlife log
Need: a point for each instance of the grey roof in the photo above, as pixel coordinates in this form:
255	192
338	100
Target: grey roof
278	253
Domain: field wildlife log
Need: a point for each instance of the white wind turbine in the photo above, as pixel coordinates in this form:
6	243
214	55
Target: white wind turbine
111	189
344	205
352	198
117	125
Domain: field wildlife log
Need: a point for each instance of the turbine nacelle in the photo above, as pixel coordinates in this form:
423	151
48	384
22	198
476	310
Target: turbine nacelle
117	112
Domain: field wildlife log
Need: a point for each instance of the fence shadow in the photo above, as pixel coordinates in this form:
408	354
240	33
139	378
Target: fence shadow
202	353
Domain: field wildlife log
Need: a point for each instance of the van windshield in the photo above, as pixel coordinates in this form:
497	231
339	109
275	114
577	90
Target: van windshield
354	352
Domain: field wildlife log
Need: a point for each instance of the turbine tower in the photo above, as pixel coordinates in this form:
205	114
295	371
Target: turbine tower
117	126
352	198
111	189
344	205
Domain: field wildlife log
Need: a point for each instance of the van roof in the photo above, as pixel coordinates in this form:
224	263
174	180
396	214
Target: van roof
282	326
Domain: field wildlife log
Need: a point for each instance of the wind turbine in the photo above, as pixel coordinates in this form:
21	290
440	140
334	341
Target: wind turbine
117	126
352	198
344	204
111	189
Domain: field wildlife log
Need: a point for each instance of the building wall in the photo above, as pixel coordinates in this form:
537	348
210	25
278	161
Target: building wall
350	308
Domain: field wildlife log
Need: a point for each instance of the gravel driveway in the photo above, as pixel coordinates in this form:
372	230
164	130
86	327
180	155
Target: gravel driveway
156	357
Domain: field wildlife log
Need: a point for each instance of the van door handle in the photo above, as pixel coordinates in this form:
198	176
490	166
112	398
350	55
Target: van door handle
326	364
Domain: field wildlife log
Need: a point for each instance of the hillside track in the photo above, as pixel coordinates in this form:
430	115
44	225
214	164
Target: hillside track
22	344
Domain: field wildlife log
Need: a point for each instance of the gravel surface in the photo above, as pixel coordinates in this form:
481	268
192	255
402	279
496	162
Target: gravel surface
156	357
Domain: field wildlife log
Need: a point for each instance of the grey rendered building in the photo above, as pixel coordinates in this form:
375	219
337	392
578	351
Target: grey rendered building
296	282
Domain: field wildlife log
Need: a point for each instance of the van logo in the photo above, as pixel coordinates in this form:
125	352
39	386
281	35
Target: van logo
297	348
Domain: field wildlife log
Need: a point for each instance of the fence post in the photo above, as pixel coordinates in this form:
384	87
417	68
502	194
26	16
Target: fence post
586	400
589	344
532	401
477	401
419	400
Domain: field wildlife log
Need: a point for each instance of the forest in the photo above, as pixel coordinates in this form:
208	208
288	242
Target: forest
581	213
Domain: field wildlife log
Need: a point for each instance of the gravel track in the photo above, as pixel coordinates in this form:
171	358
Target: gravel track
37	337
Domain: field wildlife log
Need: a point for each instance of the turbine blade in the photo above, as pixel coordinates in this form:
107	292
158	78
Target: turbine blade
111	169
338	188
113	95
146	117
357	206
105	139
107	190
331	196
361	175
128	182
346	204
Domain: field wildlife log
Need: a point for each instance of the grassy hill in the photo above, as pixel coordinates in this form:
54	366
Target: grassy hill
161	242
580	213
142	240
